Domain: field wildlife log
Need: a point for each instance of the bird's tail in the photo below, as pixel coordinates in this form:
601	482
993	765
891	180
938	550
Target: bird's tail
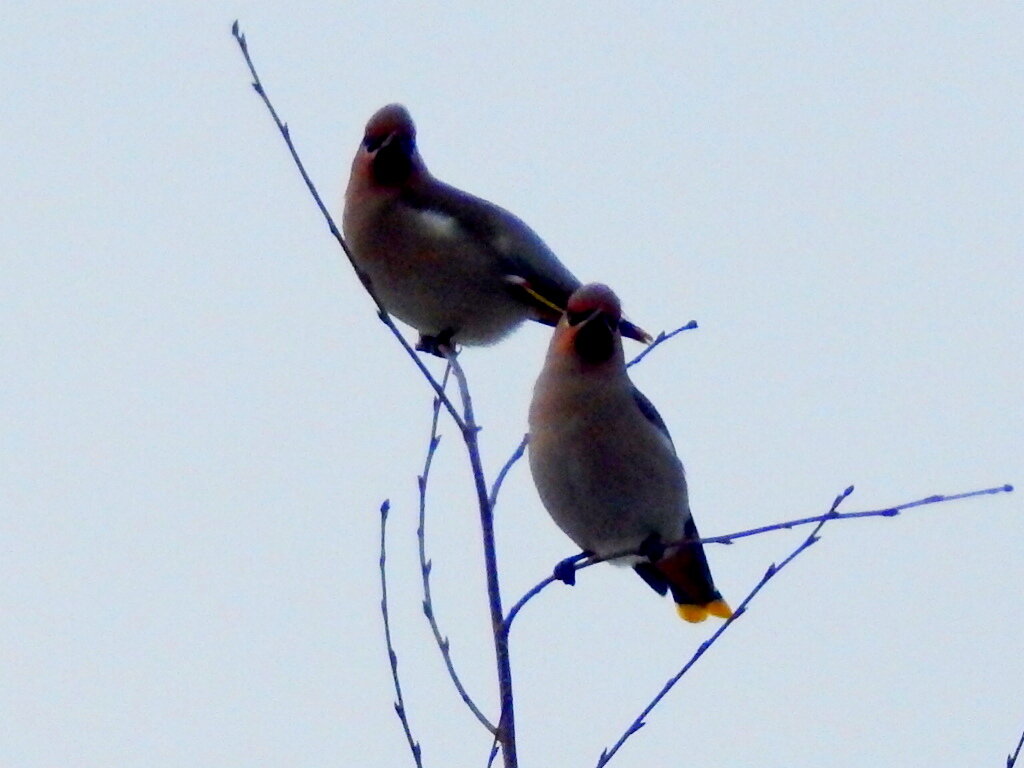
631	331
689	580
684	572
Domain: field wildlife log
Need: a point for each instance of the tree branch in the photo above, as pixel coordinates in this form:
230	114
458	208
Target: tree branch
382	313
414	745
515	456
659	340
581	561
506	732
769	574
1011	760
443	643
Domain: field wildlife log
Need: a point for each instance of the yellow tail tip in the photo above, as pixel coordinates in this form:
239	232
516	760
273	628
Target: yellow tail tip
719	608
692	613
695	614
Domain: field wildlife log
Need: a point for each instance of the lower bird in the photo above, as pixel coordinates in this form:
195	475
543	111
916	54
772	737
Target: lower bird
604	464
456	268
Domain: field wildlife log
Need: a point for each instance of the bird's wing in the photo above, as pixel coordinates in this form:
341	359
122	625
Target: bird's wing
649	412
530	268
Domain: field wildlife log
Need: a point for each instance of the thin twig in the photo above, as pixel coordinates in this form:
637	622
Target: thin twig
414	745
659	340
506	732
1011	760
382	313
729	538
493	753
515	456
584	561
443	643
769	574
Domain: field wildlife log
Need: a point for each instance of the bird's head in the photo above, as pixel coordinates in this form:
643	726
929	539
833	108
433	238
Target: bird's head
589	329
388	150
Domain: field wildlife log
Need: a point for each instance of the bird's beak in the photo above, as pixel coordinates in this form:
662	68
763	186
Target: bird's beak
635	332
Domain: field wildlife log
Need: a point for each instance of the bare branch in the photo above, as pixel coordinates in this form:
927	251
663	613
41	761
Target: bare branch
506	733
493	753
769	574
516	455
443	643
659	340
382	313
414	745
1011	760
581	561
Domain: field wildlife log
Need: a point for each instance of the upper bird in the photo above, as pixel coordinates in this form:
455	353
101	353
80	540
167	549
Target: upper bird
455	267
603	461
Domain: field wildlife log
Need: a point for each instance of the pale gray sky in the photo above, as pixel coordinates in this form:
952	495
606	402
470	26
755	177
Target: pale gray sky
201	415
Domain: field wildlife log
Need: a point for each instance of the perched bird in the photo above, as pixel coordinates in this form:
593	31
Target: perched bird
456	268
604	463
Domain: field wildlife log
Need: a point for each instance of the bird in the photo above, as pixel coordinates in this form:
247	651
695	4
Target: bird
455	267
604	464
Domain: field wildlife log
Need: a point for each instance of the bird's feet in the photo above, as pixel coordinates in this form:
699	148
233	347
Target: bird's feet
565	570
439	346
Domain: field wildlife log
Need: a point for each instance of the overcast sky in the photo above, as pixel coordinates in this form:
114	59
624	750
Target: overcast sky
200	414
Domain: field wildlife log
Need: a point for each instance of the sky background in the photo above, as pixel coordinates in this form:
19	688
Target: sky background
200	414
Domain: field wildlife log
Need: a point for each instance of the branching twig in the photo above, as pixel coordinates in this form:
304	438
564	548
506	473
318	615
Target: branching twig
659	340
382	313
392	656
772	571
493	753
506	732
583	561
443	643
1011	760
729	538
515	456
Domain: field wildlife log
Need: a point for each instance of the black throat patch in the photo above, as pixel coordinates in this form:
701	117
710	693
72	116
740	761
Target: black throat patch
392	164
595	340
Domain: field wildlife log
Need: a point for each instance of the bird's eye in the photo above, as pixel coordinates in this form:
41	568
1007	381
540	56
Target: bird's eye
575	318
372	143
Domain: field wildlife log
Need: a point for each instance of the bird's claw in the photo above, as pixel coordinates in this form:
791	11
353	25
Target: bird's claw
438	346
565	571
